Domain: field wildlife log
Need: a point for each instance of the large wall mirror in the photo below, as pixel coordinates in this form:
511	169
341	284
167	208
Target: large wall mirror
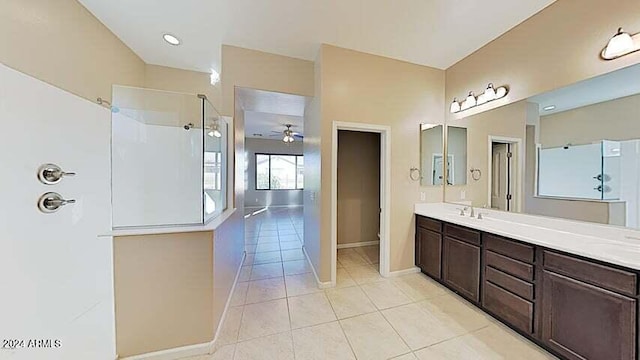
573	152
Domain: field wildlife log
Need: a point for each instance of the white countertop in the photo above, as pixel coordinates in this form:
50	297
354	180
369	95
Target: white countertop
611	244
209	226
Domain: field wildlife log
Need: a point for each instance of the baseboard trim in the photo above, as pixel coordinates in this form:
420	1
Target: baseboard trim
358	244
412	270
321	285
197	349
174	353
213	344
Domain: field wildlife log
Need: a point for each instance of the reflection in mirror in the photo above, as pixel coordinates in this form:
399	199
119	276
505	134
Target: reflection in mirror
581	156
456	155
431	146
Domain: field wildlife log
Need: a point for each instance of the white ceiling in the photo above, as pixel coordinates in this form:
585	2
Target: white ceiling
268	111
270	126
435	33
614	85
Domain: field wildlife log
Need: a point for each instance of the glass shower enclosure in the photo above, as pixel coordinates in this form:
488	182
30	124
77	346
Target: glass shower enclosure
588	171
168	159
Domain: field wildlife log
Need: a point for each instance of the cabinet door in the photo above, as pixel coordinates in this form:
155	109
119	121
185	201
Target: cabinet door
461	267
429	252
582	321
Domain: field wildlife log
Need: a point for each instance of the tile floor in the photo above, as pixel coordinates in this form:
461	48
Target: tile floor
278	313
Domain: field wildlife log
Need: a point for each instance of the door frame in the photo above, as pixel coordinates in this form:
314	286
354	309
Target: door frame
385	192
517	183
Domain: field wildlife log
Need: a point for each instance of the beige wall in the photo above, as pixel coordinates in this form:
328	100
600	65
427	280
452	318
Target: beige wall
164	291
611	120
508	121
358	187
61	43
259	70
556	47
192	82
359	87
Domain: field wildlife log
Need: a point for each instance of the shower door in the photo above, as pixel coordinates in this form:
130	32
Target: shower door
56	294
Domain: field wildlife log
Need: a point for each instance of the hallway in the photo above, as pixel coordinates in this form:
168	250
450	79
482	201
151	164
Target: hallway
277	312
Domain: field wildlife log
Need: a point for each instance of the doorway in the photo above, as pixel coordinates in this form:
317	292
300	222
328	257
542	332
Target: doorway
504	180
360	197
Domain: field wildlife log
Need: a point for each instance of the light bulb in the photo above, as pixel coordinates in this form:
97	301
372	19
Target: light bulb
469	102
490	93
620	44
482	98
501	92
455	106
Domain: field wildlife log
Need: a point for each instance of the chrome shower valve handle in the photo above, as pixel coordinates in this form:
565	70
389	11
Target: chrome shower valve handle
50	174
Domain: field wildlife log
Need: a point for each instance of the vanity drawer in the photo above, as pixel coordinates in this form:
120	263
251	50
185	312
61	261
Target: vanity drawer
509	248
508	282
429	224
610	278
513	267
514	310
462	233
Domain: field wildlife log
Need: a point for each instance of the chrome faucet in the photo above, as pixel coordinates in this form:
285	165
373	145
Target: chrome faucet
462	210
472	214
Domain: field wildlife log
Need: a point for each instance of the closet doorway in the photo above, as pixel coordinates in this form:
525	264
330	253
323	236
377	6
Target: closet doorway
360	204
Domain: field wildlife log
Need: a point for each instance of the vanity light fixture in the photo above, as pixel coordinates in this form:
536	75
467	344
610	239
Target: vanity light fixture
491	93
621	44
171	39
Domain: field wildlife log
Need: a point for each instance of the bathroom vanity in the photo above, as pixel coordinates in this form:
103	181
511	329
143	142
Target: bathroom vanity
571	287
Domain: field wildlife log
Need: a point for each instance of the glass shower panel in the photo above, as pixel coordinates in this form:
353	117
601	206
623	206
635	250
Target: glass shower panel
570	171
157	157
610	170
215	162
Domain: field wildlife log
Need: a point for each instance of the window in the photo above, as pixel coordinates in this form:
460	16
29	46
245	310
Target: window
279	172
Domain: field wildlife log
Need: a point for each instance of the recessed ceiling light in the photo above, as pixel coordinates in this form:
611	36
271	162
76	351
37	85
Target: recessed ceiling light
171	39
549	108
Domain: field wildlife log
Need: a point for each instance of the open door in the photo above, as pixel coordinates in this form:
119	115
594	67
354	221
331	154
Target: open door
501	176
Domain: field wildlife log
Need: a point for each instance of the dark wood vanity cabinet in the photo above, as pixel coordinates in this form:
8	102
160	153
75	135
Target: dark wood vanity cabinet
588	310
429	246
461	268
574	307
508	281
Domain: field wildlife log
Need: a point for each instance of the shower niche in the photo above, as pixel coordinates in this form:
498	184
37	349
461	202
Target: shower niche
169	154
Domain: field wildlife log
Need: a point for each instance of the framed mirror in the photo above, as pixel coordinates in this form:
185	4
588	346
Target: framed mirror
431	155
456	155
572	152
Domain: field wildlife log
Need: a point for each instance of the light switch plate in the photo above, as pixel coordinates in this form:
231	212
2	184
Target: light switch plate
423	196
463	194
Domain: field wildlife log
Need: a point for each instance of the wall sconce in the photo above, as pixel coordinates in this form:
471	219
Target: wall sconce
489	94
621	44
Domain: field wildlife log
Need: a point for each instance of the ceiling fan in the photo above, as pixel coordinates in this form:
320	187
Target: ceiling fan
288	134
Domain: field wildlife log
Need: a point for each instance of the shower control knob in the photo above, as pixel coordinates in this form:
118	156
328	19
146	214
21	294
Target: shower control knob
50	174
51	202
598	188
